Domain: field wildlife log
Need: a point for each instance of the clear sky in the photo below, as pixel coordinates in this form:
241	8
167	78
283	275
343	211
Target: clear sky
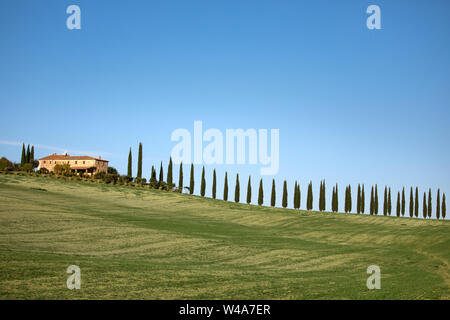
352	105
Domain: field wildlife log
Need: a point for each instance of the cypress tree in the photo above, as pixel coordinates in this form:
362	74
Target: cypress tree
349	198
153	181
358	200
398	204
389	202
129	172
139	168
438	205
337	199
376	200
260	193
403	201
295	195
161	174
444	209
28	154
372	202
237	189
285	201
169	174
191	182
416	203
214	184
225	187
424	206
299	195
203	183
308	196
346	200
32	154
249	190
324	198
23	159
273	195
322	203
322	190
385	202
180	179
363	200
320	196
333	199
309	200
429	203
411	203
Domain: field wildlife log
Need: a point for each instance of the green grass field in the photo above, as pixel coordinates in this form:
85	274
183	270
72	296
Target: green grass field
135	243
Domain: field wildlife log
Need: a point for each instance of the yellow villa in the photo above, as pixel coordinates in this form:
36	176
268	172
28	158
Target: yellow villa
78	164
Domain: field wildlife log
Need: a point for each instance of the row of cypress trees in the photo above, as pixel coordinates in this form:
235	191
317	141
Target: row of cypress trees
153	180
414	208
360	200
28	155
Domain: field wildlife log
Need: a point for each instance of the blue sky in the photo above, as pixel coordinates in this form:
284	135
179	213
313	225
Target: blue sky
353	105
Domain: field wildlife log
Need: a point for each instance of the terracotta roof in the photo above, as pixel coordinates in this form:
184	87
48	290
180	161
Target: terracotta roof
69	157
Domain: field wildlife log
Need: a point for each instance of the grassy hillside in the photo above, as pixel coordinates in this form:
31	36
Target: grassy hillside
133	243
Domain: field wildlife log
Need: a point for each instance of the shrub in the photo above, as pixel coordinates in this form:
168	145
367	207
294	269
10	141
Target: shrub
100	175
123	179
63	169
43	171
112	170
153	183
163	186
111	178
5	164
28	167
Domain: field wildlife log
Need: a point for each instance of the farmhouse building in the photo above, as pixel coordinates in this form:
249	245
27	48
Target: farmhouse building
78	164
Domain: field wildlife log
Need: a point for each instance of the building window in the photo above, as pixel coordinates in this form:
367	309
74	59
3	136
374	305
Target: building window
84	162
76	162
